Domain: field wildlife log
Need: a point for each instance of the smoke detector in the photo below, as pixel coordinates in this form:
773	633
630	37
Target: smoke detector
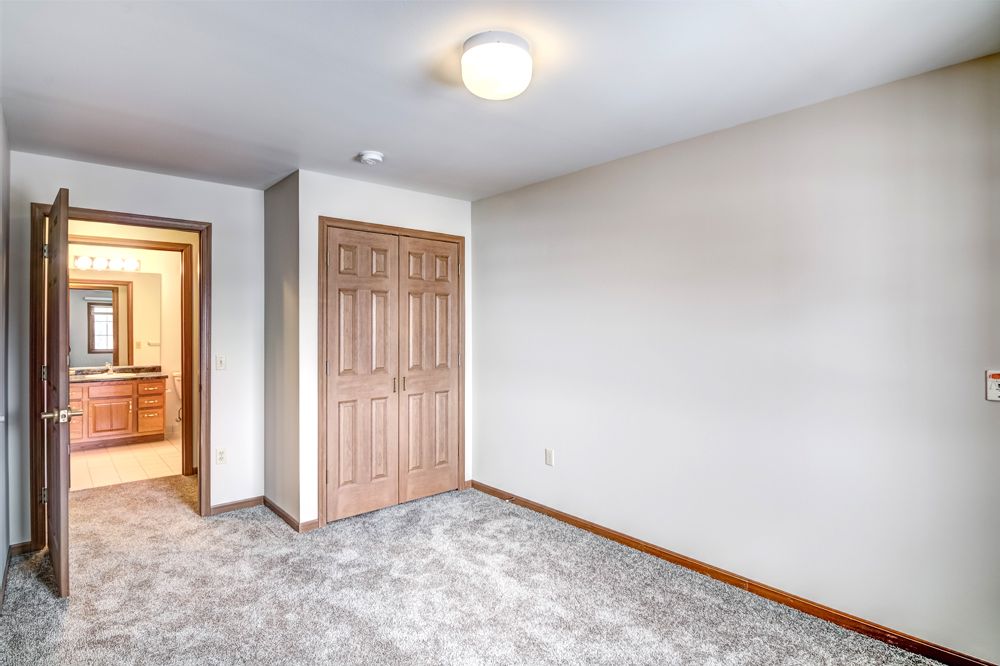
370	157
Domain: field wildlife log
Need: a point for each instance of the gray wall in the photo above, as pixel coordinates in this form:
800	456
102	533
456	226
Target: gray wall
281	344
4	274
764	348
78	354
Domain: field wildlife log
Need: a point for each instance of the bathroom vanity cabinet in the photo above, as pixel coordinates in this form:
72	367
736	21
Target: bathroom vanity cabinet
117	410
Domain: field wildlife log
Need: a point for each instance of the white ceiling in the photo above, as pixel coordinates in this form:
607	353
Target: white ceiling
245	92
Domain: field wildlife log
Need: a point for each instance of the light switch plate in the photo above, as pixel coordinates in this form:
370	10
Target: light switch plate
220	361
550	457
993	385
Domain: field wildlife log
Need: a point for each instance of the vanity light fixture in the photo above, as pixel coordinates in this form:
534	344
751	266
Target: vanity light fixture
496	65
86	263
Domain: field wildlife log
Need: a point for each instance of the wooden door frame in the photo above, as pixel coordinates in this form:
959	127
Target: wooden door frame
204	230
326	223
102	285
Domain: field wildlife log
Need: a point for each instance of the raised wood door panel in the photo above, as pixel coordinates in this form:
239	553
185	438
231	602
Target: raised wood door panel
109	417
361	370
429	347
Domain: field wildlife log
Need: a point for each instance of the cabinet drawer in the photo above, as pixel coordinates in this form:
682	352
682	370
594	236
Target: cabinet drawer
152	387
150	420
146	401
110	390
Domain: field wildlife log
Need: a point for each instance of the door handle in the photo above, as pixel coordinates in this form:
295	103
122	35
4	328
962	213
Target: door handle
61	415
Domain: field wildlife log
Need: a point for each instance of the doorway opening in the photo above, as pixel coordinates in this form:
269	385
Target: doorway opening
125	355
120	331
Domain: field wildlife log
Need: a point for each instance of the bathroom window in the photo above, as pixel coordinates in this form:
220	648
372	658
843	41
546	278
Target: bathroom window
100	328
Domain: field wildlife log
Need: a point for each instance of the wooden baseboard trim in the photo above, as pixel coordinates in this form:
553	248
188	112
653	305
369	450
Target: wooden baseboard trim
239	504
20	549
857	624
307	526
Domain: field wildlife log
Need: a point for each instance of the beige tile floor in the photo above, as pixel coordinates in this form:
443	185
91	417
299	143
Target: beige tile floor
120	464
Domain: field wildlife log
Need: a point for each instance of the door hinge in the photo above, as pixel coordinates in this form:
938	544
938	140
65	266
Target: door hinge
45	495
45	251
327	258
459	359
460	269
45	373
326	365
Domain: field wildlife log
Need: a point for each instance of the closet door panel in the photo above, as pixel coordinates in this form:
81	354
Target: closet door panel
428	416
361	329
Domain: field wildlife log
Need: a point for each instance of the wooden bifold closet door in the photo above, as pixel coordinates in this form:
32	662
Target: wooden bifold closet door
391	368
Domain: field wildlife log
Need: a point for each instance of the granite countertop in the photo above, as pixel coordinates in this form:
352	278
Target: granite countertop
119	374
116	377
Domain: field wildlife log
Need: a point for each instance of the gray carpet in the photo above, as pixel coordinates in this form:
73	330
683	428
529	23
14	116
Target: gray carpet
461	578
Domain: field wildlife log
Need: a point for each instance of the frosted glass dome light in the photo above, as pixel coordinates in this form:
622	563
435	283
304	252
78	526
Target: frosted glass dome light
496	65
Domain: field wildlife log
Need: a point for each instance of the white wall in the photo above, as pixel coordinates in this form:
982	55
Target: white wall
281	305
237	217
764	348
320	194
5	534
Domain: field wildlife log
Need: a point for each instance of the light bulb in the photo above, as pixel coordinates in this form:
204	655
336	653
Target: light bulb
100	263
83	263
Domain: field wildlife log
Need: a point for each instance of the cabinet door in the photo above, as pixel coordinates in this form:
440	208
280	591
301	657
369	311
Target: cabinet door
429	338
76	425
109	417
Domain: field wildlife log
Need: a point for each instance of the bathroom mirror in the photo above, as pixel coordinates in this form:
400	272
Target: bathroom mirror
114	321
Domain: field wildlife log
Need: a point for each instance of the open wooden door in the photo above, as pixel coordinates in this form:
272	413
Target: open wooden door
55	376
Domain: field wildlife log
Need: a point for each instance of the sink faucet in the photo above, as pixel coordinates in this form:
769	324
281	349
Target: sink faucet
107	367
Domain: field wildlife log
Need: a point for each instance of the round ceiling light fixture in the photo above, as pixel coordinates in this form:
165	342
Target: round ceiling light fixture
496	65
370	157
